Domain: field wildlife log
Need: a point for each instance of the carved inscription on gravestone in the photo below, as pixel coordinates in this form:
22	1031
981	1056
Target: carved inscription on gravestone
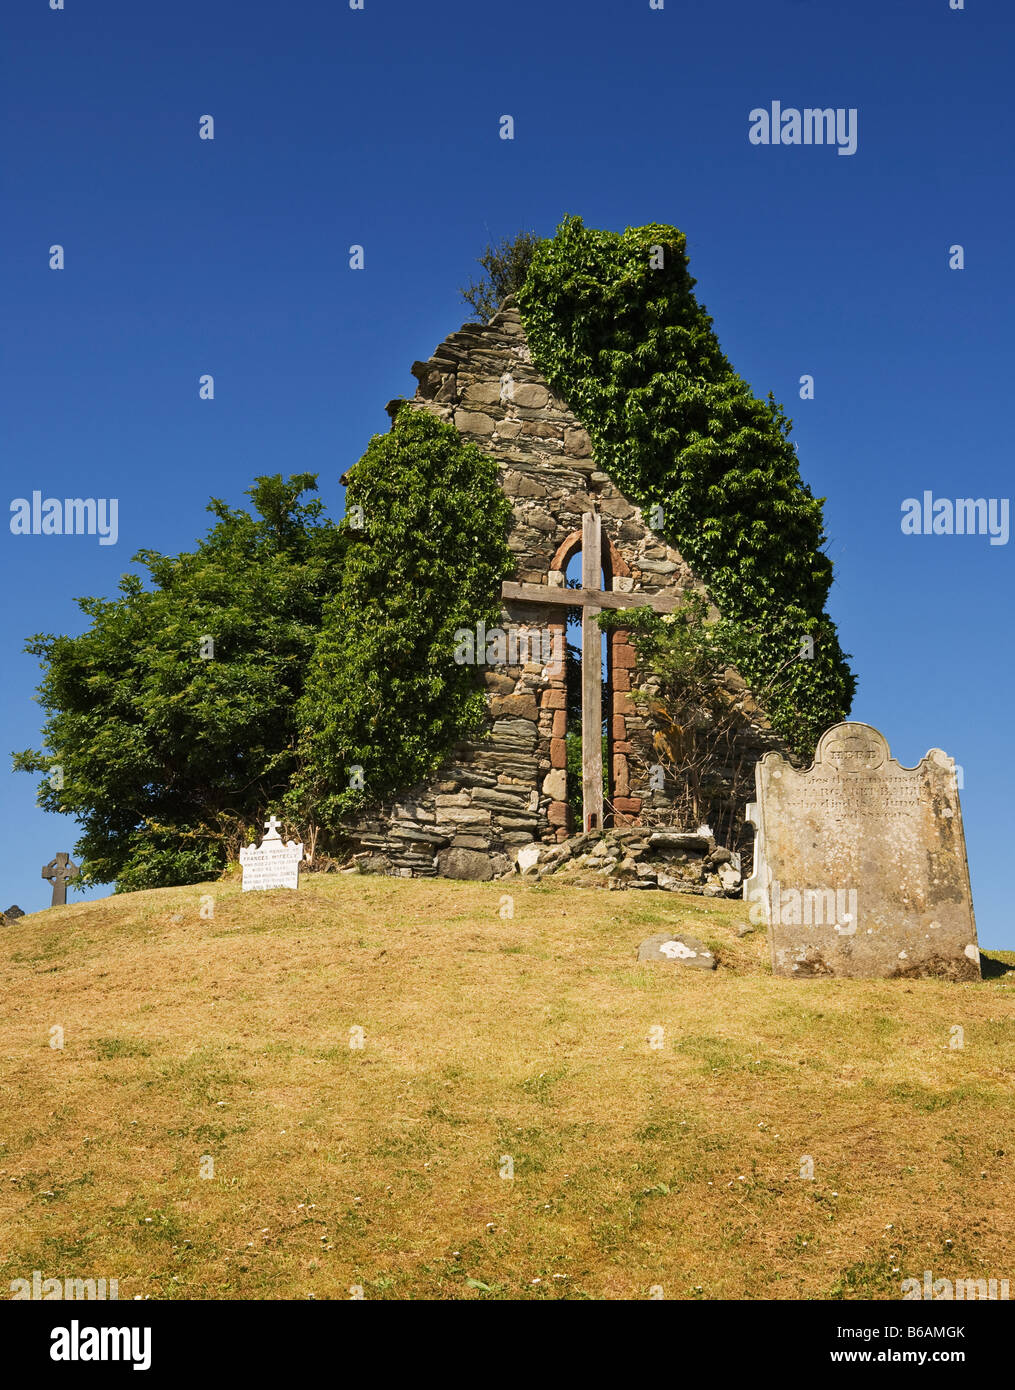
274	863
860	863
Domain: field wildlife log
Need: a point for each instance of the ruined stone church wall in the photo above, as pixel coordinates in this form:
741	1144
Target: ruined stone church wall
498	794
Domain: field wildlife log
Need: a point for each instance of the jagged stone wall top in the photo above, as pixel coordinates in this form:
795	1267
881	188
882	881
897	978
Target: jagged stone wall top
483	381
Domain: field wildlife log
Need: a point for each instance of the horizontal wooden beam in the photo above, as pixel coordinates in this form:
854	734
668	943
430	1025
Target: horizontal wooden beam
581	598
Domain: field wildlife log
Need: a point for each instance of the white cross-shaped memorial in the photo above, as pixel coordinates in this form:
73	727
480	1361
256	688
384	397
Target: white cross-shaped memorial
274	863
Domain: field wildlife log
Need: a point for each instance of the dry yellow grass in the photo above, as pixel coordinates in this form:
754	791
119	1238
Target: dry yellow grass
334	1166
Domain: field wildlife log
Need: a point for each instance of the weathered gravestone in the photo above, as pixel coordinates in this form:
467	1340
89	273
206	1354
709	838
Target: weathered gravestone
860	864
274	863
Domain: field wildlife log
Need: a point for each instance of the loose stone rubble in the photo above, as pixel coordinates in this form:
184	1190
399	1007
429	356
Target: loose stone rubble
638	857
628	857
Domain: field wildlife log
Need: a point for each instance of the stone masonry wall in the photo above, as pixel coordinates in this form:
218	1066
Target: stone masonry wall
499	794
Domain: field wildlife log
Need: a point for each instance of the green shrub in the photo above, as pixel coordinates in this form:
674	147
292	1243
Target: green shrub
384	693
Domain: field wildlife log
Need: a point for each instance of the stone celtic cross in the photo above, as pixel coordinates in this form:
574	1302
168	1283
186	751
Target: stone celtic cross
592	600
59	872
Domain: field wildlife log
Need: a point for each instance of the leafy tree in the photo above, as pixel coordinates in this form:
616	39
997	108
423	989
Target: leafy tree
172	748
505	266
253	672
384	694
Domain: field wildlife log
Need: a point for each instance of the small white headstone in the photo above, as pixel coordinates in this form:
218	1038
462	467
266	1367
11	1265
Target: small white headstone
274	863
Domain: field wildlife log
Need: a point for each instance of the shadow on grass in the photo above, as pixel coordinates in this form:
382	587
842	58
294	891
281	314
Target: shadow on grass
994	964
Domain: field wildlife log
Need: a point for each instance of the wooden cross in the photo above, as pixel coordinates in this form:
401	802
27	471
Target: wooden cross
60	871
592	600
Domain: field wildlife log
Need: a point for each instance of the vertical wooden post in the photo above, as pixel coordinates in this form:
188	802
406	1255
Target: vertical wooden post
592	677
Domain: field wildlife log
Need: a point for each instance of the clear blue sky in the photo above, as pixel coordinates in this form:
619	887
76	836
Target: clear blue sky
381	127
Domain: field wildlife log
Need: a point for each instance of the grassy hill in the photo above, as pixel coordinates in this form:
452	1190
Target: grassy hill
188	1037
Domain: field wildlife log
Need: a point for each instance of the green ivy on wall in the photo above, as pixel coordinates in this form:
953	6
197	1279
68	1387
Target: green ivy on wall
613	324
385	702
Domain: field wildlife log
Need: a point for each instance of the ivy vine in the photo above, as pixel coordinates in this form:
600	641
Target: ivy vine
385	702
613	324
